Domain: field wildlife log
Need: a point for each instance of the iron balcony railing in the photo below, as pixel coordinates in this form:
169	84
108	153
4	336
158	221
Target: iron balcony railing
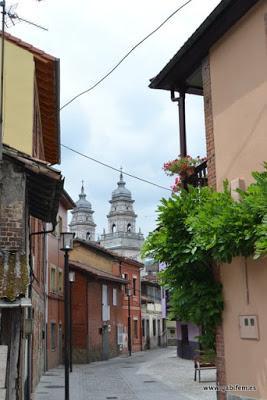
199	178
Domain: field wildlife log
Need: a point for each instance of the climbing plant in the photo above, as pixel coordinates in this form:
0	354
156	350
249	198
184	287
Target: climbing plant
198	228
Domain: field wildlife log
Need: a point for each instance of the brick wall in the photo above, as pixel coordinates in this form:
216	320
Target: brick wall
13	263
135	305
12	215
209	123
220	361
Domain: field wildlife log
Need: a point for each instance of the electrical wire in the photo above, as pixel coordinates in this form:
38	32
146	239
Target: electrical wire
113	168
124	57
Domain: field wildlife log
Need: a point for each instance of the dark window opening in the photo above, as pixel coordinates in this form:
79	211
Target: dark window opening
134	286
184	331
113	228
143	327
135	328
53	336
129	228
154	328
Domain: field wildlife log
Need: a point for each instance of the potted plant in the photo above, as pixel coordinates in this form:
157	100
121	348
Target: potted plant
183	166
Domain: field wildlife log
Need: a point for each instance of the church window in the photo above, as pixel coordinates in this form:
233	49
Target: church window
113	228
88	236
129	228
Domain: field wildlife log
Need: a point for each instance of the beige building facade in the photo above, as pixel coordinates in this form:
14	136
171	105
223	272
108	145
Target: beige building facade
225	61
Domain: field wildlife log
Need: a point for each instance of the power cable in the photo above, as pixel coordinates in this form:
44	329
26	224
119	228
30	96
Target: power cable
114	169
124	57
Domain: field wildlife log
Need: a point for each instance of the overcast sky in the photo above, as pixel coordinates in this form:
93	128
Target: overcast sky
122	122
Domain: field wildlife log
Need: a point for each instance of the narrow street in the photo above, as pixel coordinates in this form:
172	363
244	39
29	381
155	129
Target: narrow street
152	375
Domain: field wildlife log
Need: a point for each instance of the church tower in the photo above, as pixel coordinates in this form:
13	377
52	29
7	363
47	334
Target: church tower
82	223
122	237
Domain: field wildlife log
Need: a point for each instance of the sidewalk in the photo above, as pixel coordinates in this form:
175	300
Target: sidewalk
150	375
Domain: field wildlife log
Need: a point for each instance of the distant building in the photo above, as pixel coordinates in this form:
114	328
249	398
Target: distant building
153	313
100	304
82	223
122	237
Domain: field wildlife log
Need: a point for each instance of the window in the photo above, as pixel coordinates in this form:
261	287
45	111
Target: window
143	327
120	334
113	228
53	336
114	297
88	236
184	332
60	281
105	306
53	279
154	328
134	286
135	328
129	228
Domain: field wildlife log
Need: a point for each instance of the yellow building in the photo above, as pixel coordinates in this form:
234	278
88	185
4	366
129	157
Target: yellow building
31	101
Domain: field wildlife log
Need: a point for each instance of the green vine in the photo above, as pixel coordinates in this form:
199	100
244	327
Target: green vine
197	229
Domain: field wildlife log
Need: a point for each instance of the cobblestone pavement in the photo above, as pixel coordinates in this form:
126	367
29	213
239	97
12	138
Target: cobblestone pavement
151	375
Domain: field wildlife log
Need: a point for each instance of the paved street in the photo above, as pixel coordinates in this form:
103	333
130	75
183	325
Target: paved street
151	375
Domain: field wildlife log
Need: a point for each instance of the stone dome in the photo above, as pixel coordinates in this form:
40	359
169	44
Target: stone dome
82	202
121	190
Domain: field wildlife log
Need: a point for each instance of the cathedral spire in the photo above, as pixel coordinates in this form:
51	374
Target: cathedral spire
82	222
82	195
121	182
122	236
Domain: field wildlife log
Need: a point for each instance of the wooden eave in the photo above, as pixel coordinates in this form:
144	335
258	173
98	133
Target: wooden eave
186	63
44	185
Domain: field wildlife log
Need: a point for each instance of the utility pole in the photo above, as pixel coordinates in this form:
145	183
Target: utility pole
129	322
3	5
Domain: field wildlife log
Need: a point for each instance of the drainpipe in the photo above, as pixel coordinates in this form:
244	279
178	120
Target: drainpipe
182	125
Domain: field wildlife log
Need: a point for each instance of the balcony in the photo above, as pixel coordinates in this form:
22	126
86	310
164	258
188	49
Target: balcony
199	178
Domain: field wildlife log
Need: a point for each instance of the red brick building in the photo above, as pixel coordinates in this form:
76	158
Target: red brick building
130	270
100	305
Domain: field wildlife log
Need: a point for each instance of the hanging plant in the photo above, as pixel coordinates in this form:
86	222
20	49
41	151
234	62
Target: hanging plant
183	166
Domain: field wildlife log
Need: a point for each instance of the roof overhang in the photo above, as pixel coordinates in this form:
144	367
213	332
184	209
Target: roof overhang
67	201
97	273
44	185
47	70
183	72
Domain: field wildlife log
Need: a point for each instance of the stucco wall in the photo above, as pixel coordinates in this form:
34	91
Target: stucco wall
238	70
246	359
238	67
18	98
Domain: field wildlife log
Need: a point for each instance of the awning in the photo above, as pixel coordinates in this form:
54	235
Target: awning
97	273
44	185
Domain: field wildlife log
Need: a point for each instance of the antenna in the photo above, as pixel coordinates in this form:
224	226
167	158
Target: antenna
12	18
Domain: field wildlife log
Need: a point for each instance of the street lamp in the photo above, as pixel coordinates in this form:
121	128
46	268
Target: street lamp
72	280
66	244
128	292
